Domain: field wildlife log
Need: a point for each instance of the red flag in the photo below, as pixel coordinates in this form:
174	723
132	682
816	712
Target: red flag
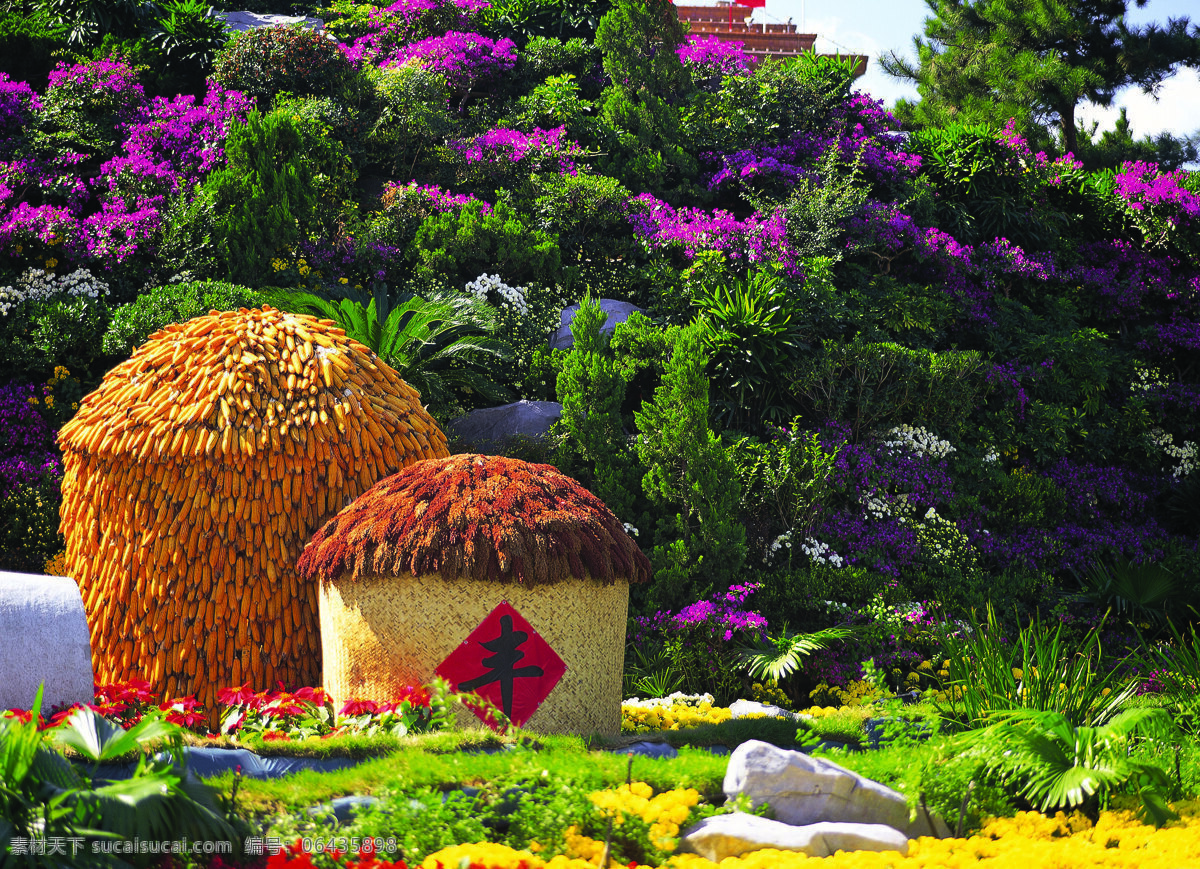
752	4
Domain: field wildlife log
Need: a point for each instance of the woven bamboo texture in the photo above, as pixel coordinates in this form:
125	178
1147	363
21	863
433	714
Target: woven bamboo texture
382	633
195	474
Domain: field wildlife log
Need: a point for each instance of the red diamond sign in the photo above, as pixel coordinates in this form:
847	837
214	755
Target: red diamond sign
507	662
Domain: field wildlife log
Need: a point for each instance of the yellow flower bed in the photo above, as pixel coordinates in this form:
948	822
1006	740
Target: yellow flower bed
1029	840
664	813
644	716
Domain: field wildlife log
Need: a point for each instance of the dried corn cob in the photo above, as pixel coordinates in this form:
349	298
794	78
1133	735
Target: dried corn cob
194	476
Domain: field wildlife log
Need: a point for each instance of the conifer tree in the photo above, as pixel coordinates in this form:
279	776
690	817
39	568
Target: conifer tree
263	198
638	40
703	545
984	61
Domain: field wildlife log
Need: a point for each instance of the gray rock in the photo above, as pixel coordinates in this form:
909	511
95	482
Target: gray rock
618	312
343	809
43	638
808	790
494	426
649	749
239	21
732	835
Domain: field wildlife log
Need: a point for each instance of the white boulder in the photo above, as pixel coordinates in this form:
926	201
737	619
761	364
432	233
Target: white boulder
732	835
239	21
804	790
43	638
748	708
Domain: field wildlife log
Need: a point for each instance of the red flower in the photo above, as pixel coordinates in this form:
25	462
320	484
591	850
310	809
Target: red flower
416	695
291	857
316	696
22	715
133	691
239	696
284	706
63	714
359	707
111	709
182	711
276	736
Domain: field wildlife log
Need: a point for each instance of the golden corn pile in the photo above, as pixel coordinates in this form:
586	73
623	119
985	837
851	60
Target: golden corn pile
196	473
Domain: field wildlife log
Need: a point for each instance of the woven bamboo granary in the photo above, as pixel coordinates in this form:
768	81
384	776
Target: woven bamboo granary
195	474
414	565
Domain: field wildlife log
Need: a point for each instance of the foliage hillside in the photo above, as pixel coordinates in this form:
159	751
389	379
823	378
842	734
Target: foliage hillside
874	365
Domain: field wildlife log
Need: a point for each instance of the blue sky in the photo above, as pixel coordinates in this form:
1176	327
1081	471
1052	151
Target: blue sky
873	27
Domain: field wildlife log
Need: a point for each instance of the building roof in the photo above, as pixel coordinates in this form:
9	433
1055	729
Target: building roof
476	517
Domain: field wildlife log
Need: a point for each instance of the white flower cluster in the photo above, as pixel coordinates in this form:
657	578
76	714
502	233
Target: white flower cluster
39	284
780	542
821	553
484	285
1147	378
942	541
676	699
881	505
630	530
992	455
8	298
918	440
1188	454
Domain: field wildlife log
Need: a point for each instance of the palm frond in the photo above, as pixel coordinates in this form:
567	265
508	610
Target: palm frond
778	657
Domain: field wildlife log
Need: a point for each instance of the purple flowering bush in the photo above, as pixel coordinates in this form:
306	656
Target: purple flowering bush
465	59
18	103
707	57
370	35
998	346
700	642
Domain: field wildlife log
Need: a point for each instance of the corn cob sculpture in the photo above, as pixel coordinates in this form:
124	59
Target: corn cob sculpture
196	473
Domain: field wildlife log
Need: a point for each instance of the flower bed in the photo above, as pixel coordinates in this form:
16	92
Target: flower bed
1115	841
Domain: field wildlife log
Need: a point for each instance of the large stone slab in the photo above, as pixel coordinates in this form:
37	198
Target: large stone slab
43	638
494	426
239	21
739	833
809	790
618	312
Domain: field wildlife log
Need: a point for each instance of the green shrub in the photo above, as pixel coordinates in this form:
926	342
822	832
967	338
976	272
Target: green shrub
87	21
751	333
323	154
543	20
587	213
27	43
1024	498
29	526
784	482
1039	669
187	34
463	244
263	201
267	60
412	114
703	545
591	391
133	323
1054	764
876	385
59	322
545	56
